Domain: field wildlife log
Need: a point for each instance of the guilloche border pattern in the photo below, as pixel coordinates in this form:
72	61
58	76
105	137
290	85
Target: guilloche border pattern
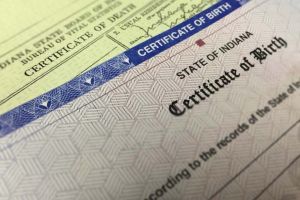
64	94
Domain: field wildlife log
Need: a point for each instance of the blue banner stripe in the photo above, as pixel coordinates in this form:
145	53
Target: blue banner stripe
187	28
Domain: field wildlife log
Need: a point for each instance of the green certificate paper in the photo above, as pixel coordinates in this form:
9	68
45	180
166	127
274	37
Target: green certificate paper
47	43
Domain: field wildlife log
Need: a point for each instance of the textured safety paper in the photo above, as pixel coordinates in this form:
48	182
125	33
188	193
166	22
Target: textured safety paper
216	116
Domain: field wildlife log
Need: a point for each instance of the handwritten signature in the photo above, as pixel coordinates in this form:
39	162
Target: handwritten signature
163	19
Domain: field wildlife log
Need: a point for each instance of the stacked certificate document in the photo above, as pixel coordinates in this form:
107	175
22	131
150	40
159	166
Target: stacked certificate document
150	100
